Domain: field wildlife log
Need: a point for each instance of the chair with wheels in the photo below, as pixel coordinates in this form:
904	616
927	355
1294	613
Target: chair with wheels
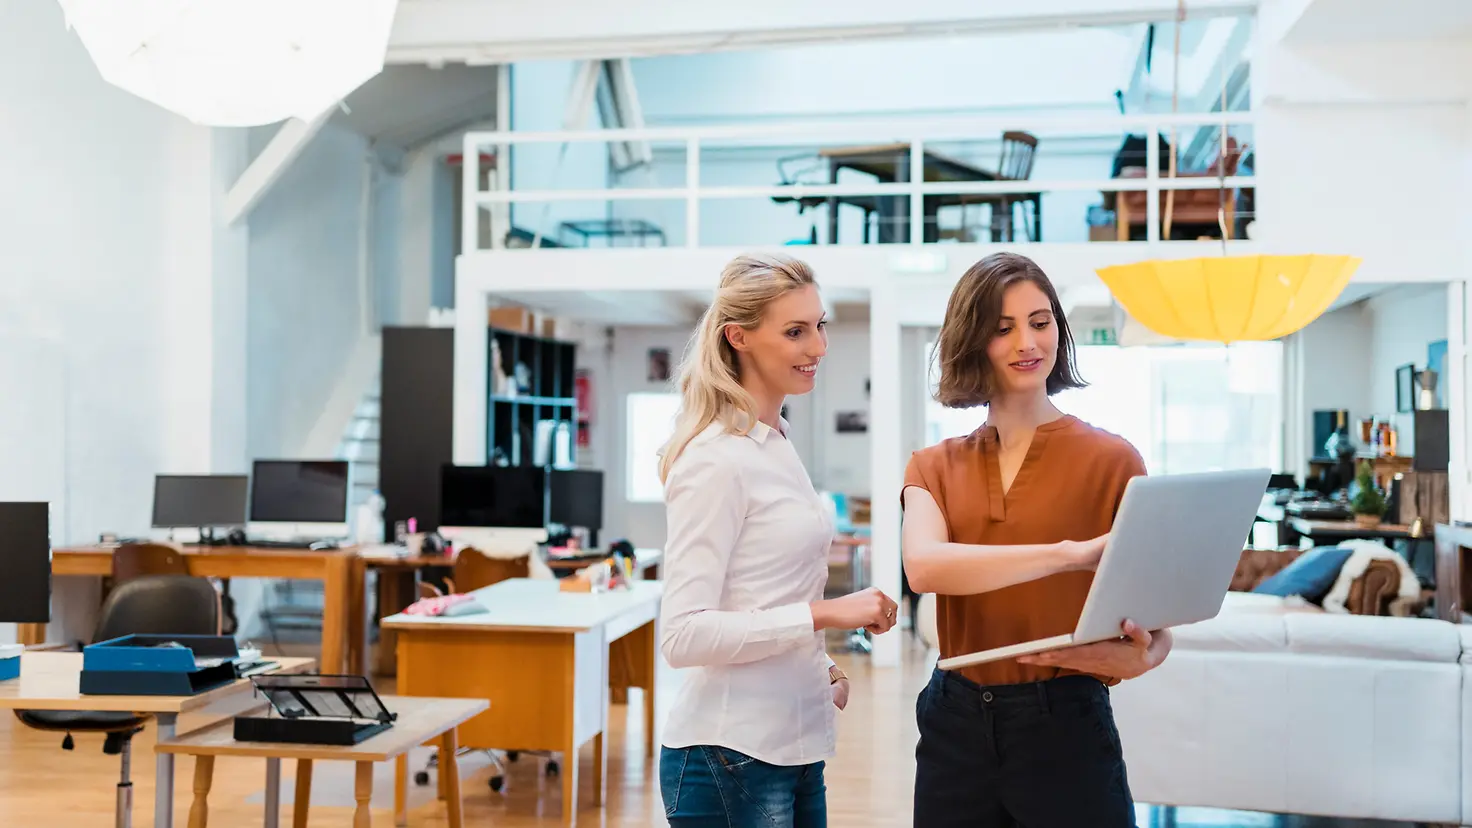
474	570
142	605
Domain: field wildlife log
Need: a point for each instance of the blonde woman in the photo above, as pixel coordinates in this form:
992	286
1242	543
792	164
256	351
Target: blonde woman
745	566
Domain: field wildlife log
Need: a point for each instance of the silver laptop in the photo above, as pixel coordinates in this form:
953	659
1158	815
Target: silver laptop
1169	559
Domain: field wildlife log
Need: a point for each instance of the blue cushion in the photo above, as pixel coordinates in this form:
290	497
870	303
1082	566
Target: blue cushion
1311	574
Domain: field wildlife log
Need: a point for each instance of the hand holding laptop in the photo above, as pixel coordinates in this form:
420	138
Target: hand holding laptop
1131	656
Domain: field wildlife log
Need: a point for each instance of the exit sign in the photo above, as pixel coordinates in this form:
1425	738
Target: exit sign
1102	336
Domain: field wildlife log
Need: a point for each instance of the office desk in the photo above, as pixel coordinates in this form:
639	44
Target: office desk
541	658
51	681
419	720
398	587
344	632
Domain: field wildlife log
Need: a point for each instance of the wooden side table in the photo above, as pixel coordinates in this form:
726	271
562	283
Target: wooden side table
419	720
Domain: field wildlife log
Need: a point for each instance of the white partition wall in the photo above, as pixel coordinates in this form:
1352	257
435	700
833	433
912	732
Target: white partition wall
887	463
1455	379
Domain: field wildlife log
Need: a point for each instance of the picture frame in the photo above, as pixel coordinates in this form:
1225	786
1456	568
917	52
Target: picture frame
1405	388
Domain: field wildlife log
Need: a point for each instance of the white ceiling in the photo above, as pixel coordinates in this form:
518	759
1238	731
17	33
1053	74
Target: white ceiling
406	106
1347	20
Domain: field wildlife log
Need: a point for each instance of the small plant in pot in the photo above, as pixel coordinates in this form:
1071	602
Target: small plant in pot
1368	503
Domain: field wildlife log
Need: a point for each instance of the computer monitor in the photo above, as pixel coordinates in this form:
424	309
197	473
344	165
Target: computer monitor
512	497
25	556
199	501
575	498
299	499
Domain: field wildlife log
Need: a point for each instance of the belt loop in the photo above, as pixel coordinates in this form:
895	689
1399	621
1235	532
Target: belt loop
1043	697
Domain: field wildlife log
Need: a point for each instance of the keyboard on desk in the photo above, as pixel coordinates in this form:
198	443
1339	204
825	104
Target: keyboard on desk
323	546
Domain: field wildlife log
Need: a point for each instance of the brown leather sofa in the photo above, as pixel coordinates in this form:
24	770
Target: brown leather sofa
1373	593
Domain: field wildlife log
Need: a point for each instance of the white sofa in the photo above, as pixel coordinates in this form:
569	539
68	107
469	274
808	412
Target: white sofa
1278	706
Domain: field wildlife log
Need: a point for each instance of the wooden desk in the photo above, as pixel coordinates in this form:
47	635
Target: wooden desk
51	681
1346	529
344	632
419	720
541	657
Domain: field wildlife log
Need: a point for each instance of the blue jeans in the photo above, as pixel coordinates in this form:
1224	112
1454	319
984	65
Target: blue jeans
715	787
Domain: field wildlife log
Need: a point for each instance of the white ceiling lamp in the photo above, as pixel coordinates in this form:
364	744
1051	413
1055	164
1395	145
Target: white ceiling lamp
235	62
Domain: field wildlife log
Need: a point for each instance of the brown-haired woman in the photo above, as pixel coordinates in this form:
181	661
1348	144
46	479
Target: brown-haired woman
1005	525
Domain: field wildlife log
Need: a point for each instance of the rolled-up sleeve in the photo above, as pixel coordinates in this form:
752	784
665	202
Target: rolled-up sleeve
705	506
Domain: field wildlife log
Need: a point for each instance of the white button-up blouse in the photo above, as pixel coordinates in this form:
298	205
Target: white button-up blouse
746	554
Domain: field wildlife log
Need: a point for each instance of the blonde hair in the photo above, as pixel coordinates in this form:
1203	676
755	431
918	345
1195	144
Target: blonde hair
710	375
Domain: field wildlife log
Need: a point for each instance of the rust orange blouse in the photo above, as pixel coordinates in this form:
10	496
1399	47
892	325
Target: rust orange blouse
1068	488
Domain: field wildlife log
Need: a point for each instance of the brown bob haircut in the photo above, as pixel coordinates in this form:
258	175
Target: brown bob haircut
973	316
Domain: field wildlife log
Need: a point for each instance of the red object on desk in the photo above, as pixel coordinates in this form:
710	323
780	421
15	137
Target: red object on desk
436	605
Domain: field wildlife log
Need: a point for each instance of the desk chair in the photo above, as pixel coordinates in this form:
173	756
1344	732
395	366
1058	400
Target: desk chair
474	570
148	604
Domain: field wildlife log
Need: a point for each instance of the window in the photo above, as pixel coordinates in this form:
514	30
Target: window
1184	408
650	422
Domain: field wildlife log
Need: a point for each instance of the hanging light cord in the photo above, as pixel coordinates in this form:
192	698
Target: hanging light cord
1175	94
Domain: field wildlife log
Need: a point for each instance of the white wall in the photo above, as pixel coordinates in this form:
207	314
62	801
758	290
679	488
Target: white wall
1403	322
914	77
305	290
1349	357
121	303
834	461
1363	149
110	253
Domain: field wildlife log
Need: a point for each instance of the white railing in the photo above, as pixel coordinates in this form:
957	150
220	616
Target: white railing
915	134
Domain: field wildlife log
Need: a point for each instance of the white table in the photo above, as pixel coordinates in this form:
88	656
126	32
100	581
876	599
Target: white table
542	658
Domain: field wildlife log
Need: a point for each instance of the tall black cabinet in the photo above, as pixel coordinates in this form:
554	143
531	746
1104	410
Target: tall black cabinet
416	423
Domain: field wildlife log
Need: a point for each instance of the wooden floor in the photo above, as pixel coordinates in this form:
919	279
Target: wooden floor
869	782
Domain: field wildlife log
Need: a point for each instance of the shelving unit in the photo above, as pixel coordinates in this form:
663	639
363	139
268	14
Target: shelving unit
532	391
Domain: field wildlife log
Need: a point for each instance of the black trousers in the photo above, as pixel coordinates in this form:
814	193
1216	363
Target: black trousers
1041	755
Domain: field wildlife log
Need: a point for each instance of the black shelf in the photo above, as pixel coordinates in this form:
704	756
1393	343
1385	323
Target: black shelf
539	376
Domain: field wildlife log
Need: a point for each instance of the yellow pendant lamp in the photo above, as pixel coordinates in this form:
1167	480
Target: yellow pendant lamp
1227	298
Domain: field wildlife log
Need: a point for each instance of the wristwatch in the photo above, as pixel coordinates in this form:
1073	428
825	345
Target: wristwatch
834	674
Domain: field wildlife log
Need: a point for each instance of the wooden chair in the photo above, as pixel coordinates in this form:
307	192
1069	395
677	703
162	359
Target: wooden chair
134	560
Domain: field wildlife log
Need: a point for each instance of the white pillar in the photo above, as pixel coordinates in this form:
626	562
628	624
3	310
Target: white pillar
1459	474
472	340
887	460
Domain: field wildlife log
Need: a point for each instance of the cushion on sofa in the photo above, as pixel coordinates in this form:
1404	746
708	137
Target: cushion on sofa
1466	632
1311	574
1371	636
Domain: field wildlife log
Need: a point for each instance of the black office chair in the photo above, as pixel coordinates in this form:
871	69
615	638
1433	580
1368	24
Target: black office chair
147	605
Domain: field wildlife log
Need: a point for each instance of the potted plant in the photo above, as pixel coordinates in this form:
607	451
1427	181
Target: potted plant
1368	503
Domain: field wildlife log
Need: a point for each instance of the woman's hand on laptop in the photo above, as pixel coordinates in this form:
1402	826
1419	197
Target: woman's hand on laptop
1137	653
1083	555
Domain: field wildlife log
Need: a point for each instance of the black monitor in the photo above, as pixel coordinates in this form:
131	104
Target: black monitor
512	497
299	491
199	501
25	556
575	498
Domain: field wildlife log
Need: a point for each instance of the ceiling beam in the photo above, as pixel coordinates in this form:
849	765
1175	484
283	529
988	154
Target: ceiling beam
268	167
504	31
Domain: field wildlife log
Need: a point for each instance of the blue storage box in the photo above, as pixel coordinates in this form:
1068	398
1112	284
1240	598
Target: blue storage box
158	665
10	661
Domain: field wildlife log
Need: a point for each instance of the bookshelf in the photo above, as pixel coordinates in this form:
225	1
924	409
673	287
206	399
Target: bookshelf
532	412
